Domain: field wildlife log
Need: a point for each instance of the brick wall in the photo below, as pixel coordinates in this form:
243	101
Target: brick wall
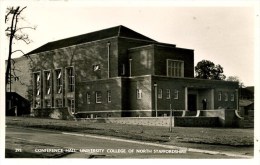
203	87
91	87
142	60
162	53
123	54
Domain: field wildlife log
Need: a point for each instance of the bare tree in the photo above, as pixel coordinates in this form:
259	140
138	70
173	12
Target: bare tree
14	32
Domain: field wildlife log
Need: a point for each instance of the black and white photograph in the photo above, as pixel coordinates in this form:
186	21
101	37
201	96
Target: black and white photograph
129	80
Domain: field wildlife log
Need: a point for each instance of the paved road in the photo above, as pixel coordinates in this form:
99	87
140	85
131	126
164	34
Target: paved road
90	146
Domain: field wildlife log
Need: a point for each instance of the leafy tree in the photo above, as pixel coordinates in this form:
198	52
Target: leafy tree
14	32
208	70
236	79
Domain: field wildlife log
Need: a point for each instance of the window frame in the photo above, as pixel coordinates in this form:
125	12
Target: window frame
88	97
172	68
232	97
176	94
220	96
47	82
98	97
94	67
226	96
70	79
160	93
59	103
58	81
123	69
37	82
138	94
168	94
109	96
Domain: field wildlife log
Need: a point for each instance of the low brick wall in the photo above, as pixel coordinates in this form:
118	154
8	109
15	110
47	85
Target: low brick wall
149	121
196	122
54	113
162	121
227	117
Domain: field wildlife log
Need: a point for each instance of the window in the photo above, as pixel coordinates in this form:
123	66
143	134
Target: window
139	93
59	103
58	74
96	67
123	69
88	98
226	96
72	105
48	103
160	93
109	96
37	78
37	104
168	94
47	77
71	79
232	97
175	68
176	94
98	97
219	96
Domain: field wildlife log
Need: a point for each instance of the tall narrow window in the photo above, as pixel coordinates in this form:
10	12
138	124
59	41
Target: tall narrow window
37	84
175	68
48	103
219	96
58	74
47	77
59	103
176	94
232	97
139	93
123	69
168	94
70	79
109	96
88	98
72	105
160	93
226	96
98	97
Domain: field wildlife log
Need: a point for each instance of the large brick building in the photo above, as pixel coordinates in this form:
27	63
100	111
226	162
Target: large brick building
116	72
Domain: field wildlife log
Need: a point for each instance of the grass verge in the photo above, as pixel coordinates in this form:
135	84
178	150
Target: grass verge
217	136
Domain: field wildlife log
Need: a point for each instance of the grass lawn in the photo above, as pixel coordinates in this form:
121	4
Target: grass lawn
216	136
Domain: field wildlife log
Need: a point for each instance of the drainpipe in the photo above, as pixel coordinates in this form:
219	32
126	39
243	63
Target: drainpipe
155	99
130	67
108	57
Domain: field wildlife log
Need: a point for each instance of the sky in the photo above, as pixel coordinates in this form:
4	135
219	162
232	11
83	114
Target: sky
223	35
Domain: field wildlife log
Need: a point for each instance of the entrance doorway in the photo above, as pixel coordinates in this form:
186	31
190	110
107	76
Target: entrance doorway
192	102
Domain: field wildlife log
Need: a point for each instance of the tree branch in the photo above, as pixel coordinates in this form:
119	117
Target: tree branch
18	51
28	27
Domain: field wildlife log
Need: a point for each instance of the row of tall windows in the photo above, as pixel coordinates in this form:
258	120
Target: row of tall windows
168	94
139	94
58	81
226	96
51	82
98	97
